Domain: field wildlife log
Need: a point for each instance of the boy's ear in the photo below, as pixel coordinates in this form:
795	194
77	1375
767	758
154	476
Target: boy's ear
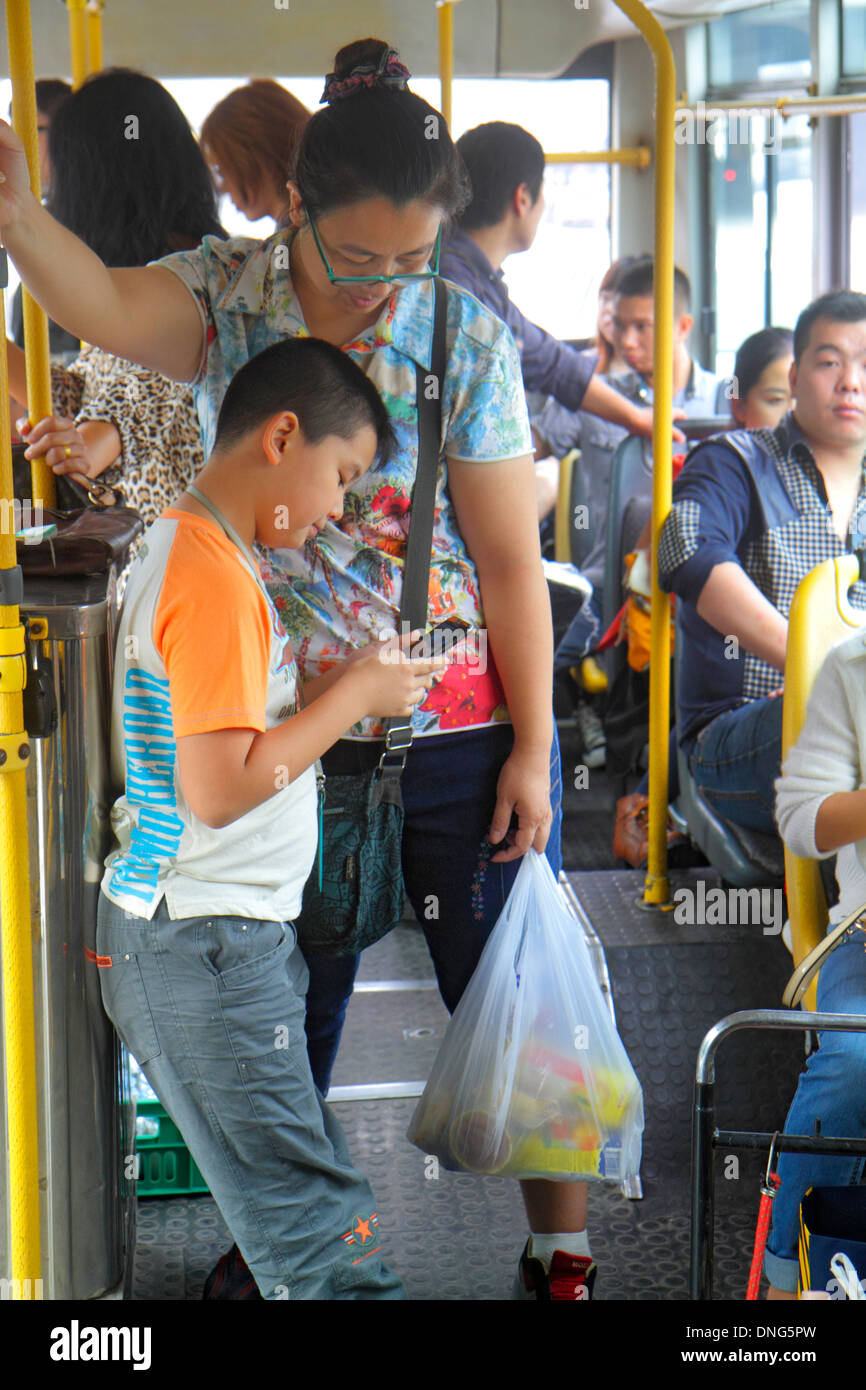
281	433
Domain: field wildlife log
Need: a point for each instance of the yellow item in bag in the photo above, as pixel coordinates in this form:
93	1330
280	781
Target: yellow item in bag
635	623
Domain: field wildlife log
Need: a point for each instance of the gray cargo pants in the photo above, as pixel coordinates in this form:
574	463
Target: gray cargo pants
212	1008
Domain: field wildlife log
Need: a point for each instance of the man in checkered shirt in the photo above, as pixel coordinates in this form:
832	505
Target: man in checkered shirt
752	513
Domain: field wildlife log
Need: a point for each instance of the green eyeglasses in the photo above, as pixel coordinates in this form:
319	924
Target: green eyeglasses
375	279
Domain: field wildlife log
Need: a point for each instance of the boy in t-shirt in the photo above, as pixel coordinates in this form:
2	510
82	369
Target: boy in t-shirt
216	826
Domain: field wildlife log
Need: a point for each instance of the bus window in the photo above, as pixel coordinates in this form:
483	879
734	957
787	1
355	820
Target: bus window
763	44
760	188
556	282
857	199
853	37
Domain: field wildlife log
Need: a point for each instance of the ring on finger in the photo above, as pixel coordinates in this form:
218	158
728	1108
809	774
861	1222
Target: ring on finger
67	451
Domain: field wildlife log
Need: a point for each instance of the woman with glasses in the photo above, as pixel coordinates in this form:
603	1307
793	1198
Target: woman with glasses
376	177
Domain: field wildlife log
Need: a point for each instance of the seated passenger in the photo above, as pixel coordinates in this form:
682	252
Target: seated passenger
601	351
506	168
608	362
200	968
696	393
761	396
752	514
761	388
821	808
249	140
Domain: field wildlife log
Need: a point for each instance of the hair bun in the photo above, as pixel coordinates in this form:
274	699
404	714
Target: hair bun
388	71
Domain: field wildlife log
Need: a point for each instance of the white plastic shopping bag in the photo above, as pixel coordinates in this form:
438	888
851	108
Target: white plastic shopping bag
532	1079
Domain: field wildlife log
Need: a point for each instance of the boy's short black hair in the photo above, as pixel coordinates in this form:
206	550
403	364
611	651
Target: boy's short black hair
637	281
840	306
317	382
498	158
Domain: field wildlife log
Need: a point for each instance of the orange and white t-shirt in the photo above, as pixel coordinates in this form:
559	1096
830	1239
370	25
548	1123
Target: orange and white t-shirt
200	647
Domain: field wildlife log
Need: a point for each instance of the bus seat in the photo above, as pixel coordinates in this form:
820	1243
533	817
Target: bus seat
629	501
564	523
744	858
821	616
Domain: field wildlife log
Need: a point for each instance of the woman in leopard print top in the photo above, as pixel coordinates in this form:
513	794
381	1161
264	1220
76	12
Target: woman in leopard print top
133	428
150	430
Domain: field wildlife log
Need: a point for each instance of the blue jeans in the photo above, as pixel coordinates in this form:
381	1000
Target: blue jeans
735	761
581	636
449	792
213	1011
832	1089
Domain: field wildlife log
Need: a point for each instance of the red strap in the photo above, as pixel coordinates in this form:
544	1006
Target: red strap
610	637
103	961
761	1233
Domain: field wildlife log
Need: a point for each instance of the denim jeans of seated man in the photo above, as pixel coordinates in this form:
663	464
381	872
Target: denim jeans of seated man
213	1011
832	1089
735	761
582	635
449	793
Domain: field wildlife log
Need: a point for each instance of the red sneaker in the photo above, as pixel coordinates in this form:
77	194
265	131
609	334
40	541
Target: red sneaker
569	1279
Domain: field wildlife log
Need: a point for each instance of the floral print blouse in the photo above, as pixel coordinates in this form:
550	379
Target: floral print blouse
344	587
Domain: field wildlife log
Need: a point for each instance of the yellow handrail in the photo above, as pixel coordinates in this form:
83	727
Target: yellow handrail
78	40
639	157
19	1039
35	323
656	885
446	55
94	35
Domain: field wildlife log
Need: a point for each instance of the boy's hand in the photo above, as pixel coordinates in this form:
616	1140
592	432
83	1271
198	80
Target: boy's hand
14	176
360	653
392	683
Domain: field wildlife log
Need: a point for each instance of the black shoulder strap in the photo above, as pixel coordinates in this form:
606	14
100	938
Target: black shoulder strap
429	386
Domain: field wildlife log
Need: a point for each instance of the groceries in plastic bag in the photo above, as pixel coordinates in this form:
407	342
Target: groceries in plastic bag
532	1079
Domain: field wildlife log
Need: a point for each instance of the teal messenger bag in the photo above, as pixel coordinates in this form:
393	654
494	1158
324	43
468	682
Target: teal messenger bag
355	895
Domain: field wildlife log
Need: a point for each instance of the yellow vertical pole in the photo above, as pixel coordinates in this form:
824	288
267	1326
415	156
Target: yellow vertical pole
19	1038
445	10
35	323
94	35
78	40
656	886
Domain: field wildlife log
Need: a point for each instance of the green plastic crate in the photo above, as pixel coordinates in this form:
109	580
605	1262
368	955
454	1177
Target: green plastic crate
165	1164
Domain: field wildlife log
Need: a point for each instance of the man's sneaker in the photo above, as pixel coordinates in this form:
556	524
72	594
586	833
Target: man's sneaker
230	1278
569	1279
591	736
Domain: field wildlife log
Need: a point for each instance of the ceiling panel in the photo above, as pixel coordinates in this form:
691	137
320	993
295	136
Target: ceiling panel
232	38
